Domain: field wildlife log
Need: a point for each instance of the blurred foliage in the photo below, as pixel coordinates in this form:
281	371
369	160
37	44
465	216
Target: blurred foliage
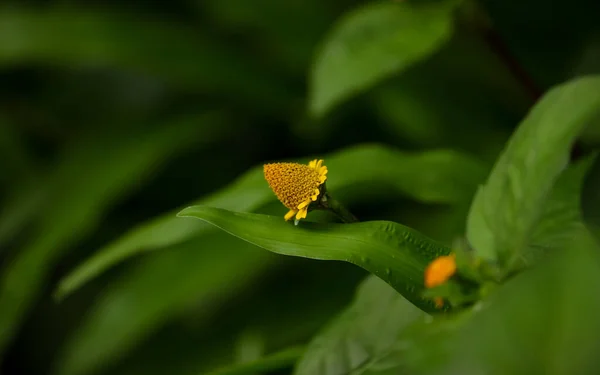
114	116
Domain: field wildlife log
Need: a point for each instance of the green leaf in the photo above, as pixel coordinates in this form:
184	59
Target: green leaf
176	53
143	299
76	199
537	323
276	361
591	199
506	209
476	100
356	173
372	43
363	332
279	26
562	216
393	252
18	165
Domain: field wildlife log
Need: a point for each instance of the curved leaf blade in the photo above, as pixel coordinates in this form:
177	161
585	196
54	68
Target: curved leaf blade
372	43
562	216
440	176
506	209
395	253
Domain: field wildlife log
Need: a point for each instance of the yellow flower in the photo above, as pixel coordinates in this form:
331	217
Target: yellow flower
296	185
440	270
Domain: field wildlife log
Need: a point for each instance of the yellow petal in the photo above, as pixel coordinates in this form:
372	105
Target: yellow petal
313	163
303	204
301	214
315	195
289	215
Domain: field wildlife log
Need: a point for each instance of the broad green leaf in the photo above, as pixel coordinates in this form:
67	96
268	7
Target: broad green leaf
140	301
76	199
364	331
355	174
591	199
175	53
537	323
395	253
372	43
506	209
277	361
562	214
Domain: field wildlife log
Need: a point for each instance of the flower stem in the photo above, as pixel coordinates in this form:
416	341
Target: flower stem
338	209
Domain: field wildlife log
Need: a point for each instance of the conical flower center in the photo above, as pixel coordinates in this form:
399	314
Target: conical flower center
292	183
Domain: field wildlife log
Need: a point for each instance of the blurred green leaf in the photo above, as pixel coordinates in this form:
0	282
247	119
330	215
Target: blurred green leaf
395	253
591	198
562	214
21	209
170	50
461	97
18	165
355	174
284	304
372	43
280	26
366	330
91	177
507	208
140	301
276	361
550	336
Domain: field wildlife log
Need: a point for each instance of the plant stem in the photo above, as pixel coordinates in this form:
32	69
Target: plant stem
338	209
497	44
480	20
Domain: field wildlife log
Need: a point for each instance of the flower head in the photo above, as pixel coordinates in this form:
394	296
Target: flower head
296	185
440	270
